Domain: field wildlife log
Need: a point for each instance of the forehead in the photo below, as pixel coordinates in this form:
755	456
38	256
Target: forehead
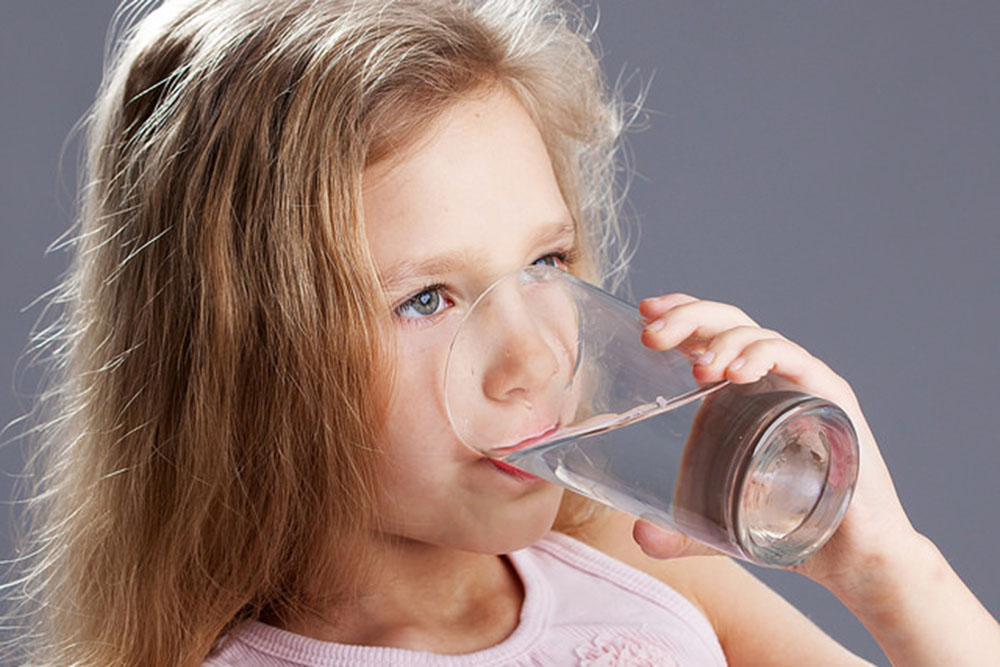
479	182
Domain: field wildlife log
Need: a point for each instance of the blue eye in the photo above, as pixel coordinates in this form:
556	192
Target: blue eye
424	304
554	259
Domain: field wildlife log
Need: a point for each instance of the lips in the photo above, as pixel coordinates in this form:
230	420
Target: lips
510	470
525	443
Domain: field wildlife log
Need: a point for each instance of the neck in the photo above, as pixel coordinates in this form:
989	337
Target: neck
425	597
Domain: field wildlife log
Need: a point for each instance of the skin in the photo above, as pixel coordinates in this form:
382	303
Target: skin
893	578
476	198
473	199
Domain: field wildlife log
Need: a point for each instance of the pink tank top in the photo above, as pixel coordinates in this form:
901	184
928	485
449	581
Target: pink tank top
581	607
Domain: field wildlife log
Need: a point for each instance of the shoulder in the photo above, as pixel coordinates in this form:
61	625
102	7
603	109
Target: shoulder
611	533
731	598
610	607
571	565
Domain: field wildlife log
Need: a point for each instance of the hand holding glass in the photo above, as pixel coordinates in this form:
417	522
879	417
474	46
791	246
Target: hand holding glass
546	370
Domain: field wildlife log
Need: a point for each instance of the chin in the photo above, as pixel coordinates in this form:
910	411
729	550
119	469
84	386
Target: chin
502	535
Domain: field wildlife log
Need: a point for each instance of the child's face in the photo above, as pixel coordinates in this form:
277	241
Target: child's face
473	199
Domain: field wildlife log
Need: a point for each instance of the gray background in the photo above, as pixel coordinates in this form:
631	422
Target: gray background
831	167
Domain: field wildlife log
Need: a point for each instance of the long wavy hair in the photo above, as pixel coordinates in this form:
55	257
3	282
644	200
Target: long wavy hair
208	447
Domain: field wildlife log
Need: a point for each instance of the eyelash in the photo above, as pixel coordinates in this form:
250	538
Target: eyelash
564	259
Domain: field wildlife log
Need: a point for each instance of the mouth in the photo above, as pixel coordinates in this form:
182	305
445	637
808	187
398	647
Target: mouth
525	443
510	470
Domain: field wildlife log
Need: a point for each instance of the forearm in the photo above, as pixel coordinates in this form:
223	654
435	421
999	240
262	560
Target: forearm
919	610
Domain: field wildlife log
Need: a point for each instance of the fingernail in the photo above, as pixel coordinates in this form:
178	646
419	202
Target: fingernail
737	364
655	326
705	359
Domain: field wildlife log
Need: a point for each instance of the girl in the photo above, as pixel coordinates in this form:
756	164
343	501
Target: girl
290	204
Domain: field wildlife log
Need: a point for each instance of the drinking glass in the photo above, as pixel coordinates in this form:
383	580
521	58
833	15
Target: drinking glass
548	374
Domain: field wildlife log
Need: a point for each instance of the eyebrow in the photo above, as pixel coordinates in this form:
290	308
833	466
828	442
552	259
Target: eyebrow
447	262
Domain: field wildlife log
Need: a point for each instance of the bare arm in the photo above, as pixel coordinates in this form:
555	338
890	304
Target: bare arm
919	610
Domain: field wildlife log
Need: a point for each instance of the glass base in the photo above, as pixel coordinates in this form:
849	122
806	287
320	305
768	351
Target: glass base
767	475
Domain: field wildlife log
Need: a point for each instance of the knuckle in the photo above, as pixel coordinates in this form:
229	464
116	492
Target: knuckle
738	314
766	346
842	386
776	335
677	301
739	335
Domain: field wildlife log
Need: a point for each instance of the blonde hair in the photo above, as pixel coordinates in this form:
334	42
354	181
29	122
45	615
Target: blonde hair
210	451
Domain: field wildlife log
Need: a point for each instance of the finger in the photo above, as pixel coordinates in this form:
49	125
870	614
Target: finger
656	306
785	358
725	348
698	319
658	543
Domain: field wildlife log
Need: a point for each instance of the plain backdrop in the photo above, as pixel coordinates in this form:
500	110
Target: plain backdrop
831	167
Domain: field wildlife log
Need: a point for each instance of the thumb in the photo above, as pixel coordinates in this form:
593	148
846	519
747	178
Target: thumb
659	543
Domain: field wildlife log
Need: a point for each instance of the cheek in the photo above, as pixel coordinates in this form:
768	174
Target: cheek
416	419
420	454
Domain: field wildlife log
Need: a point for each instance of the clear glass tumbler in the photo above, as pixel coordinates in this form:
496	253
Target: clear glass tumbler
548	373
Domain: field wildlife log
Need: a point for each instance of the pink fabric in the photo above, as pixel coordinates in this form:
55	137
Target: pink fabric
581	607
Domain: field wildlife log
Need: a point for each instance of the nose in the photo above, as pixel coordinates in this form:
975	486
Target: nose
524	361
